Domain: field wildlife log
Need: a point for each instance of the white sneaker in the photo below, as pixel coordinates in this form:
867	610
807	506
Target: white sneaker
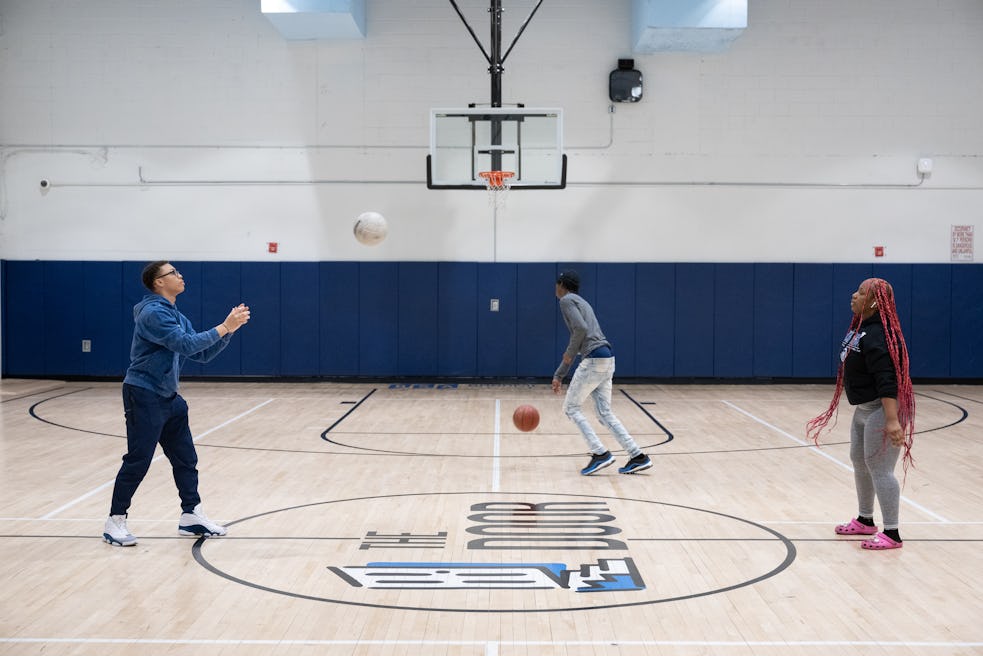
115	532
196	524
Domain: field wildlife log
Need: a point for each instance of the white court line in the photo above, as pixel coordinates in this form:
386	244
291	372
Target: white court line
907	523
107	484
845	466
491	646
497	449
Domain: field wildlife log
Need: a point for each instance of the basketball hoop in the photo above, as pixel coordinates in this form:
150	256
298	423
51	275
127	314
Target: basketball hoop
498	183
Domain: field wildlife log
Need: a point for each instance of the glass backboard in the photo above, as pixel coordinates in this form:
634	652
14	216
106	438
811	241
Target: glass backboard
467	141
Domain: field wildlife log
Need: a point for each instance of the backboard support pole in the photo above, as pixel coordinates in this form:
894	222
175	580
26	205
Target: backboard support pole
496	123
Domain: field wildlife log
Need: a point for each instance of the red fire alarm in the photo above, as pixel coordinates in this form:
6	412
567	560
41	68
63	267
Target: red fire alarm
878	251
271	246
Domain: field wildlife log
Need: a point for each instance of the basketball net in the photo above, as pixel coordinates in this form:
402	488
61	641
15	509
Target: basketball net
499	183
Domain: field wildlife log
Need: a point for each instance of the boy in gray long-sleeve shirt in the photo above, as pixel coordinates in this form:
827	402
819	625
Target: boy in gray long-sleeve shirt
592	377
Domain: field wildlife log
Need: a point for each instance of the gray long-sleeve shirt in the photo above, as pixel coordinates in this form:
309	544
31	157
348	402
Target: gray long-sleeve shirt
585	331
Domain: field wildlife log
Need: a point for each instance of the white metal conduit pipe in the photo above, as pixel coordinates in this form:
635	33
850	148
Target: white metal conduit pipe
8	151
145	181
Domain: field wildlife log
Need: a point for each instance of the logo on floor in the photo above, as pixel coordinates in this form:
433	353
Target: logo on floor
496	552
506	526
608	575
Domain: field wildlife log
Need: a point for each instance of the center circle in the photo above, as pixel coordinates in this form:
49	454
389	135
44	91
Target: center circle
239	550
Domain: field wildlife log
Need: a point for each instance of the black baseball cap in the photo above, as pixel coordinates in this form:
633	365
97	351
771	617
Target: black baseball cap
570	279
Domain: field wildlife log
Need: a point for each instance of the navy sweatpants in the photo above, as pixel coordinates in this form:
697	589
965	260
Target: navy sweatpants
153	419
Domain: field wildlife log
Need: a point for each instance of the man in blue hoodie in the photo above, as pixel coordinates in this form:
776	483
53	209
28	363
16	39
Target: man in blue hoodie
155	412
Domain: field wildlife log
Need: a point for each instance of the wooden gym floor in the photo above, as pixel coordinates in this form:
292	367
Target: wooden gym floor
375	519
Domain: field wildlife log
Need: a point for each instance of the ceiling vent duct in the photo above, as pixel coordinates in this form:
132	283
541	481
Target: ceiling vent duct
308	20
686	25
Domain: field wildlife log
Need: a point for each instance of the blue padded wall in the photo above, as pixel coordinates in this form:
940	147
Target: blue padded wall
23	318
614	304
655	327
63	304
261	344
339	323
693	356
929	337
103	296
299	319
537	352
457	319
133	291
417	306
966	349
772	300
221	288
812	287
378	334
426	319
733	320
497	330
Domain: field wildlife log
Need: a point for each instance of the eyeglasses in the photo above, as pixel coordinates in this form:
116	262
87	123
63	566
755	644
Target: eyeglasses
171	272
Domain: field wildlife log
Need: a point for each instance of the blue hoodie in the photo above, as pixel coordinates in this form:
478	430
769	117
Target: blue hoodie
163	336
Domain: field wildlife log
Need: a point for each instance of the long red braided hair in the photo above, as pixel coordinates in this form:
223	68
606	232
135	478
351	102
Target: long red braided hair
876	290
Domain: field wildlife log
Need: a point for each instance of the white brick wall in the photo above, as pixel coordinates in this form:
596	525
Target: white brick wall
833	92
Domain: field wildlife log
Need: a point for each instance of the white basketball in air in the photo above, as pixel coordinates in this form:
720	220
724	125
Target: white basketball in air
370	228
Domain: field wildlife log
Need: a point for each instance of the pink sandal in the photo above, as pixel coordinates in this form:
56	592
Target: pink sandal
880	542
853	527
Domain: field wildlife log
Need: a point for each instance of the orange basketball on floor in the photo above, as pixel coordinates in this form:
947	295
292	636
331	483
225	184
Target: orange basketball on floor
525	418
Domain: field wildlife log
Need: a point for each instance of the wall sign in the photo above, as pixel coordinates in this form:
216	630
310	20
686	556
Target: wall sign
962	243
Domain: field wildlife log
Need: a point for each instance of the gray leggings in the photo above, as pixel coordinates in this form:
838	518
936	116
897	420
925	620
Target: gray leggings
874	459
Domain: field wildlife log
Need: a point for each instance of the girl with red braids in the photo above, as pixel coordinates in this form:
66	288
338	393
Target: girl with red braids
874	373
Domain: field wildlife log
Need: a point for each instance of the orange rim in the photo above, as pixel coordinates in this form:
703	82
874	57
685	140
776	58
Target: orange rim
496	179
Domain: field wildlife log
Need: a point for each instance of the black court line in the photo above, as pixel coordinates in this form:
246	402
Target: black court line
72	428
353	409
177	538
387	452
833	540
958	421
650	416
790	555
30	394
360	450
316	538
963	418
964	398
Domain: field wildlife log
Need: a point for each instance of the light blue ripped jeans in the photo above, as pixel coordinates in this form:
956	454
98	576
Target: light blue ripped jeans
593	377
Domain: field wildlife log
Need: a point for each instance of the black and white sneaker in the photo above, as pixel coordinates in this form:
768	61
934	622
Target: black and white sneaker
597	462
636	464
